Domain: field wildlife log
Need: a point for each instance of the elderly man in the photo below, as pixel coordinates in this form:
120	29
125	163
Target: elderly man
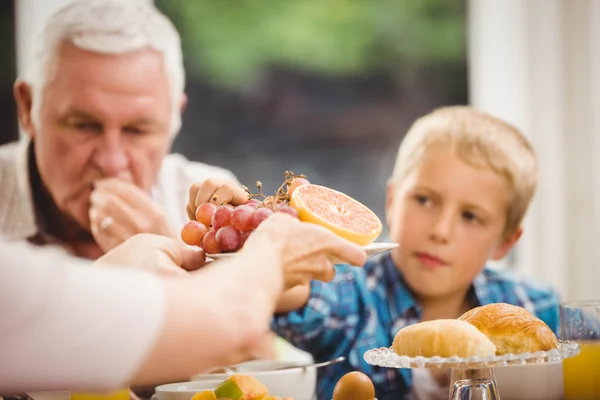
100	106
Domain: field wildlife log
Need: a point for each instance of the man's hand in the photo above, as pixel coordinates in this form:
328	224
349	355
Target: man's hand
304	250
120	210
217	191
154	253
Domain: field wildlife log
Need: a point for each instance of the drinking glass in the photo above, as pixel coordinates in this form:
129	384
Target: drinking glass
580	322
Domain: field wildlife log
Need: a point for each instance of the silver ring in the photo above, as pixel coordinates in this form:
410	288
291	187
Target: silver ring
106	222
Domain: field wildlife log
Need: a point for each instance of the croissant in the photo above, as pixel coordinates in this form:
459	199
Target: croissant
443	338
512	329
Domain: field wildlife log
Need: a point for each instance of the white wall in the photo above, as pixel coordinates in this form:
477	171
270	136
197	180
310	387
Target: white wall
30	16
536	63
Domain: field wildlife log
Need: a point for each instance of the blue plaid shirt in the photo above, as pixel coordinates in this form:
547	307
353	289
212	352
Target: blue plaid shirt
363	308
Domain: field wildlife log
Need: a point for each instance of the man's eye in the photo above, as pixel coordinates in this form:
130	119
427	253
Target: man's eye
133	129
87	126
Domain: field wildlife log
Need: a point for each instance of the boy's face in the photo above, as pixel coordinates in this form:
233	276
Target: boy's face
448	218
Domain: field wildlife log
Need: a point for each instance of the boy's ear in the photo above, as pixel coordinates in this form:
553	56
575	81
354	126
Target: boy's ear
507	244
389	201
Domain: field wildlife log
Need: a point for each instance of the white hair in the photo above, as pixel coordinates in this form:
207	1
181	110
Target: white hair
110	27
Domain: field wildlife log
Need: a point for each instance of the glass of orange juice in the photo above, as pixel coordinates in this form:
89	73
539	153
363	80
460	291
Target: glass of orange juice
580	322
122	394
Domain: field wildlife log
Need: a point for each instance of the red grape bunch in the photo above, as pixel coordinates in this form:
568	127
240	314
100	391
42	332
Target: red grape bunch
225	228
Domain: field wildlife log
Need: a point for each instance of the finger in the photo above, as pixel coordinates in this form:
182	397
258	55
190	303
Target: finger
340	248
112	204
170	270
204	191
317	267
295	279
191	215
113	234
125	190
169	246
192	259
229	193
170	258
326	273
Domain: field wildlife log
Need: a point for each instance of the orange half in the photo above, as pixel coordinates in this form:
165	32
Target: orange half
337	212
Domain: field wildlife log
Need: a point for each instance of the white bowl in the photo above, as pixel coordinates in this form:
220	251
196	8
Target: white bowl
297	382
182	390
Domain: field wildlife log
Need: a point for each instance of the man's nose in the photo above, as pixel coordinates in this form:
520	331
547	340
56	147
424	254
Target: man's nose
110	156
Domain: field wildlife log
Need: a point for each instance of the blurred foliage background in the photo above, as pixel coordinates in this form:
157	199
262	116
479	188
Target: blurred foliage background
321	87
231	42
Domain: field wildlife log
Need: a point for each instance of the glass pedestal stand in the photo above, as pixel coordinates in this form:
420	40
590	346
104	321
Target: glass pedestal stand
473	384
472	377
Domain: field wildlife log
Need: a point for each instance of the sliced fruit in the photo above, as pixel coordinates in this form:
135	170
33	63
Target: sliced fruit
229	389
205	395
253	389
249	388
337	212
295	183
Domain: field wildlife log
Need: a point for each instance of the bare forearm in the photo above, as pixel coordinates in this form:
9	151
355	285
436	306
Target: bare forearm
213	319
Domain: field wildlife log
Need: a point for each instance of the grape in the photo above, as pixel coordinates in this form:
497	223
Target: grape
289	210
244	237
222	216
228	239
205	212
241	218
260	215
295	183
254	203
278	206
209	243
192	233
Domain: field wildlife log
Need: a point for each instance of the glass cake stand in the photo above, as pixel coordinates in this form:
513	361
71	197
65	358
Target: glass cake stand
473	377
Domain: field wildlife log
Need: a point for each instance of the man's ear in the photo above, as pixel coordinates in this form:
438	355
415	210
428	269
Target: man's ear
24	99
183	103
507	244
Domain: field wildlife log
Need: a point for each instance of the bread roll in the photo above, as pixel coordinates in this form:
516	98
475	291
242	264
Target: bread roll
513	329
444	338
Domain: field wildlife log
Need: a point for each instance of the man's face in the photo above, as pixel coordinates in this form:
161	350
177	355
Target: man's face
101	116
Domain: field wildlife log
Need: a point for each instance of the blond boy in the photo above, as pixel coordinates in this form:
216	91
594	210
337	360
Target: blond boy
461	186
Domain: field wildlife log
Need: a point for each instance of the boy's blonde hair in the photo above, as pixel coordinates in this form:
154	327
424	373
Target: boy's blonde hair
480	140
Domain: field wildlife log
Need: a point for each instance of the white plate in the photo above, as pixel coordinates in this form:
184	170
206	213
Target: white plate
372	250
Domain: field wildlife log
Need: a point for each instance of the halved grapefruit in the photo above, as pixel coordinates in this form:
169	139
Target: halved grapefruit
337	212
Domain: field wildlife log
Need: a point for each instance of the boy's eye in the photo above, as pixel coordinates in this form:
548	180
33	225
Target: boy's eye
470	216
421	199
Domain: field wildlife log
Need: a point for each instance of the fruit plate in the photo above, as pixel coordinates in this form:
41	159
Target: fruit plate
372	250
